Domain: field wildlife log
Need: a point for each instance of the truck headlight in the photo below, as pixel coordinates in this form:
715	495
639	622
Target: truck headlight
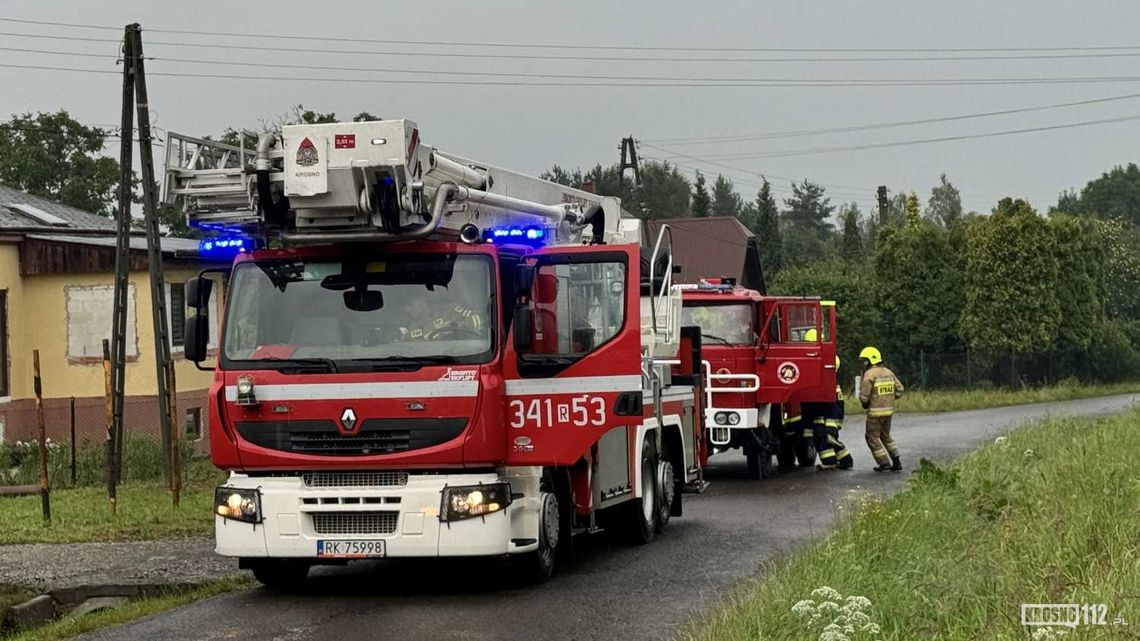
237	504
720	418
733	418
469	501
245	395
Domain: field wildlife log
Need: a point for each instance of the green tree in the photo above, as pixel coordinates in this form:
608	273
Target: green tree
767	230
1011	277
1120	241
919	293
1116	194
1080	281
945	204
664	192
851	243
725	200
365	116
702	203
912	216
54	156
809	227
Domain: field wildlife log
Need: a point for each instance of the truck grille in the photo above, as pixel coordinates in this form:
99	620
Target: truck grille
355	522
354	479
375	436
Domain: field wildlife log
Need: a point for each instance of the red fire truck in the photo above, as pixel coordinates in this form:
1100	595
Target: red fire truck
425	356
763	357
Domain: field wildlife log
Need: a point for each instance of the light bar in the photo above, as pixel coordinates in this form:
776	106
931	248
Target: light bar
533	235
224	247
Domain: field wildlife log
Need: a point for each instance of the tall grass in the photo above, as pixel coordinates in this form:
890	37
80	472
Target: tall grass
931	401
1050	514
143	460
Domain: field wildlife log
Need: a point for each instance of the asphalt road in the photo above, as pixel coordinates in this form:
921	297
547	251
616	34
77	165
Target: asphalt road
727	534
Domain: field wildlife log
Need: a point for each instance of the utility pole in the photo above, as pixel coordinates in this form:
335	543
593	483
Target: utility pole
883	205
629	158
135	97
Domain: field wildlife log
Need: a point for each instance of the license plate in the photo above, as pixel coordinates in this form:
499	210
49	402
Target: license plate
350	548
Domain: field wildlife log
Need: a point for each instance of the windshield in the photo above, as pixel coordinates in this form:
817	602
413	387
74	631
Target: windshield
430	308
720	323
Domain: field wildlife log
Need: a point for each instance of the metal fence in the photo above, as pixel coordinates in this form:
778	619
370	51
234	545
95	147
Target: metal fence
971	369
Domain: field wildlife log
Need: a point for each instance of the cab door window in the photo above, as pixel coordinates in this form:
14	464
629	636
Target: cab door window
576	307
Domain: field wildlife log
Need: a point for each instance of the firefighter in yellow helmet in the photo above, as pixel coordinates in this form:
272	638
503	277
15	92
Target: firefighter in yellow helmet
833	453
878	391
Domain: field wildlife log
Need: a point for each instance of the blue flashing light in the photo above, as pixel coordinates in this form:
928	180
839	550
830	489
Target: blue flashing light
522	235
224	247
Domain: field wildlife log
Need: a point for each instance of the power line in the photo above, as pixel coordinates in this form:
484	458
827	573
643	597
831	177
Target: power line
774	83
605	58
713	163
902	143
702	80
441	43
886	125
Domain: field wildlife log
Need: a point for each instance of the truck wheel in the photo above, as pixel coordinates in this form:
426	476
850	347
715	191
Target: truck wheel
641	514
280	574
786	454
539	564
805	453
760	464
667	493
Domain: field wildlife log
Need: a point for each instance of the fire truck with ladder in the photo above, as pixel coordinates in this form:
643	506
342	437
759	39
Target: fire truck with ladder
763	357
425	356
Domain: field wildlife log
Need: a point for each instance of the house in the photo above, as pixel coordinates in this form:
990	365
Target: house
56	295
713	247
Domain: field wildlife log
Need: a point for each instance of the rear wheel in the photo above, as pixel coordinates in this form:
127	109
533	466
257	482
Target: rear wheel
667	492
642	513
280	574
805	452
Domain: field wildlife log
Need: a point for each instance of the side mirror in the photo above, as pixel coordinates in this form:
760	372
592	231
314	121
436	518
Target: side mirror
363	300
524	279
198	292
197	337
522	327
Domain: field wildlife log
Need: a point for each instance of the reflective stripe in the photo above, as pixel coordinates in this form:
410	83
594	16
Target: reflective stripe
345	391
791	419
831	422
843	453
807	433
880	412
573	385
827	454
819	420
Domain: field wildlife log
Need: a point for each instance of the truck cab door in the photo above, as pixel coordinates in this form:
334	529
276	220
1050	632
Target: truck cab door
572	361
796	360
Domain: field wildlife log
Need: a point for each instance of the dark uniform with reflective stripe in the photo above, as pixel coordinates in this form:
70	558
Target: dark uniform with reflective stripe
832	452
462	318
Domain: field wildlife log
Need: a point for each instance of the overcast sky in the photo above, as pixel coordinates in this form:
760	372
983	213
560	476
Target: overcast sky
529	128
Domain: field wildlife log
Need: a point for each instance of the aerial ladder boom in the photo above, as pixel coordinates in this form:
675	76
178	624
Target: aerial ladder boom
370	181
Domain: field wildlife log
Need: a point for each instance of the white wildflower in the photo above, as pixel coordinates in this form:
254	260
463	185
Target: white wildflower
858	602
1029	454
1000	440
804	607
871	628
826	593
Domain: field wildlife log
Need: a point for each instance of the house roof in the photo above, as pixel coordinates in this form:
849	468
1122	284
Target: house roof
169	245
706	247
12	219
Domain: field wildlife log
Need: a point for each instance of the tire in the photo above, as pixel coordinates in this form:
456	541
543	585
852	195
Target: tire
539	565
641	514
805	453
283	575
786	454
760	464
668	491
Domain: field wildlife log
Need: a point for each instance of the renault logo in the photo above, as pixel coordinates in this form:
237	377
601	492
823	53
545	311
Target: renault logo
348	420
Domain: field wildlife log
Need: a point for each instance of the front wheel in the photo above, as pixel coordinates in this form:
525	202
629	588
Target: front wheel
539	564
280	574
760	464
642	513
805	452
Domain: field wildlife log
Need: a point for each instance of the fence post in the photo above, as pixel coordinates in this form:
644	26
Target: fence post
73	445
37	384
175	453
969	374
112	499
922	367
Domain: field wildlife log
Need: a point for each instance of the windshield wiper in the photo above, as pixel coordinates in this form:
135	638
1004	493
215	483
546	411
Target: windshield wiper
405	363
299	365
715	338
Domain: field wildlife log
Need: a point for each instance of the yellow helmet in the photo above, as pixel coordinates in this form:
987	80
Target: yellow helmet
837	362
872	355
811	336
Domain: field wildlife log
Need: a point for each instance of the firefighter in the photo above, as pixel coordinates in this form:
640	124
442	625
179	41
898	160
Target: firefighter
425	322
813	417
878	391
833	453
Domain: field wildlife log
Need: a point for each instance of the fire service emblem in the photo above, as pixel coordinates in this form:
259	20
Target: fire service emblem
307	153
788	373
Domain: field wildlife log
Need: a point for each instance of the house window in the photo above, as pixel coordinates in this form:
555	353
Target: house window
194	424
4	390
89	314
177	314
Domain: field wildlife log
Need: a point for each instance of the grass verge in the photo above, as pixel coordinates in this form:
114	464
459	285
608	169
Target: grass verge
71	627
959	400
13	595
145	511
1050	514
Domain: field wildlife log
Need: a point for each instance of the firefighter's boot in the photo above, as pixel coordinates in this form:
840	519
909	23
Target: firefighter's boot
883	467
896	464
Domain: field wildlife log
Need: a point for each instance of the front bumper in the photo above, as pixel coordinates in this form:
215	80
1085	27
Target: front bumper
405	515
